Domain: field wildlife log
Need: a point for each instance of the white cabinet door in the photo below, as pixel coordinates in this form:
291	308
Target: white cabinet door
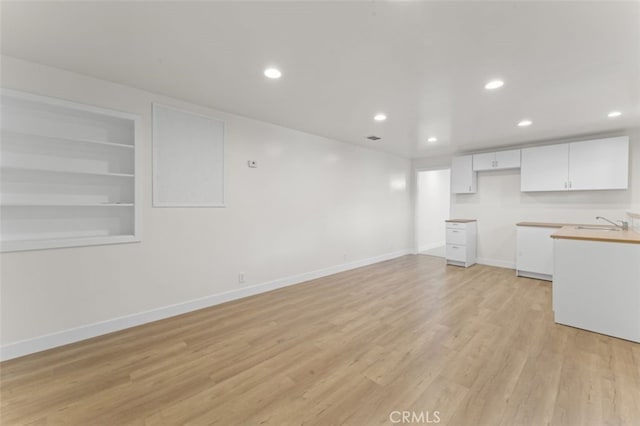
497	160
599	164
534	250
457	253
485	161
507	159
463	178
545	168
456	236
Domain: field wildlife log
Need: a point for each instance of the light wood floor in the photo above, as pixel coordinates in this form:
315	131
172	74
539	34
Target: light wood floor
477	345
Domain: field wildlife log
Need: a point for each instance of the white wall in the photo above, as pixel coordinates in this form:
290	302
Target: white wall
499	205
433	206
313	204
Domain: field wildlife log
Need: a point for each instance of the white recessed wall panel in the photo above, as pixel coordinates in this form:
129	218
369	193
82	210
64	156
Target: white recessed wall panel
188	159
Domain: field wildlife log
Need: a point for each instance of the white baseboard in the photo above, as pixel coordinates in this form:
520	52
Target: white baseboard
431	246
49	341
496	262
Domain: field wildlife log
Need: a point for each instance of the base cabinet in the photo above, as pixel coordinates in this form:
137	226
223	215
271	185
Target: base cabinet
534	252
461	243
596	287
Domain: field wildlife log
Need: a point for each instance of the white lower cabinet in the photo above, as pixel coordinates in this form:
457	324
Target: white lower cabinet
535	252
461	242
596	287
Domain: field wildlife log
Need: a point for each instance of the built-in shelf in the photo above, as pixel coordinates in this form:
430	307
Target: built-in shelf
67	205
35	244
68	174
26	137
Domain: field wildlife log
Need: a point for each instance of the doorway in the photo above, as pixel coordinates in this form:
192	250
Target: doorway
433	204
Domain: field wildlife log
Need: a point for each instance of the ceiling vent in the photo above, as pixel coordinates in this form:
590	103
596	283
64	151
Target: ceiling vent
373	138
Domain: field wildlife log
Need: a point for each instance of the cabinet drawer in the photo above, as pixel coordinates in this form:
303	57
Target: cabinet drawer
456	236
456	252
456	225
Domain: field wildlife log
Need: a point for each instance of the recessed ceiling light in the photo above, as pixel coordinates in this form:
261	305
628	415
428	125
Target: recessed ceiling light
432	139
272	73
525	123
494	84
380	117
613	114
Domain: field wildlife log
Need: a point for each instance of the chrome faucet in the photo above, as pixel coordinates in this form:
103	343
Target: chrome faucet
623	225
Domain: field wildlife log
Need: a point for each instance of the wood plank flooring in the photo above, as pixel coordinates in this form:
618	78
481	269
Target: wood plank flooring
477	345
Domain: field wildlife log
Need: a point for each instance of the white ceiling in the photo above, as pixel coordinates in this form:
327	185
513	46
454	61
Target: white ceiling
565	64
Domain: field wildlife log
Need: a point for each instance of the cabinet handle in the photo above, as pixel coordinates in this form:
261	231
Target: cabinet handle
565	184
455	231
569	184
469	189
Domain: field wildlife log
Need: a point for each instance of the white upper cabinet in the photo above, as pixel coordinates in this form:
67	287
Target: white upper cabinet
497	160
545	168
463	178
599	164
589	165
484	161
508	159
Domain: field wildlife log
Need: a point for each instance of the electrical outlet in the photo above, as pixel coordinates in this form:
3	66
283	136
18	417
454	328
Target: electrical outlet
252	163
241	278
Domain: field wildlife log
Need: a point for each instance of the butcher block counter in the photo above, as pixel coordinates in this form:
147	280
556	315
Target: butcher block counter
597	233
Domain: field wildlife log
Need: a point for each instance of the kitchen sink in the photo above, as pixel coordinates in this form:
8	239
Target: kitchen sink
597	228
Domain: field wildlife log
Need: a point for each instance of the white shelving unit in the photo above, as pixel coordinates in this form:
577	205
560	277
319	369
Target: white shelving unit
68	175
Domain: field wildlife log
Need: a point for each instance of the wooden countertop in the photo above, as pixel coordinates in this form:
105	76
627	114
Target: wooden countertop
461	220
544	224
561	225
575	233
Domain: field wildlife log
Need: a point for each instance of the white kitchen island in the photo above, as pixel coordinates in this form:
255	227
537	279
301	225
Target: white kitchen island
596	282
